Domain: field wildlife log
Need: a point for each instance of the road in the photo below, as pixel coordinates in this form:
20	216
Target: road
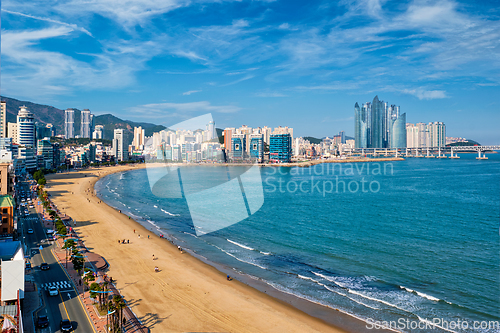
66	304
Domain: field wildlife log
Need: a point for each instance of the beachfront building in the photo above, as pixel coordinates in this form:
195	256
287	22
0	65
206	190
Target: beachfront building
138	142
257	147
376	125
238	146
86	124
228	136
280	148
46	151
3	119
426	135
119	145
69	123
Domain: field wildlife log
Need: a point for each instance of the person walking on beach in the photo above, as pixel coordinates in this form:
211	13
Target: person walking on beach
134	231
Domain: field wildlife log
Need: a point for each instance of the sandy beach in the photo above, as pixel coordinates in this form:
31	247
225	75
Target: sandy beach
187	294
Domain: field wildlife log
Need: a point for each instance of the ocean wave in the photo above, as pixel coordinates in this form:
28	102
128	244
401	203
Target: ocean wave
306	278
435	325
376	300
155	206
168	213
240	245
239	259
429	297
266	253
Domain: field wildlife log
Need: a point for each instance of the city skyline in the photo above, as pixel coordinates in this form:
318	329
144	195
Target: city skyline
299	65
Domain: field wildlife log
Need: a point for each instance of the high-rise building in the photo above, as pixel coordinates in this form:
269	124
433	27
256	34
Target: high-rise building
426	135
280	148
266	131
256	151
376	125
119	141
228	135
46	150
138	141
69	123
238	146
12	131
86	124
211	132
98	132
3	119
26	128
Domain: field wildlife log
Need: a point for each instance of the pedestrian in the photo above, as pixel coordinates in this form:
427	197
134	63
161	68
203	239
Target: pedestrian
80	282
128	241
134	231
118	241
124	321
148	236
139	236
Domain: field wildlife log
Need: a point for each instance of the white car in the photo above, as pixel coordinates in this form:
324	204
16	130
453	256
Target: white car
53	291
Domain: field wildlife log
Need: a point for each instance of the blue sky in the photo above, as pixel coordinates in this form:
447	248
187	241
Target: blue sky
301	64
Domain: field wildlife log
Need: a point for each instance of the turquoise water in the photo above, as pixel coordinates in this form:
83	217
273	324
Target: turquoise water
411	242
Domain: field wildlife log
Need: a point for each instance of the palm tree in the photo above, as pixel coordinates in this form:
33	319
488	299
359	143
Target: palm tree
119	305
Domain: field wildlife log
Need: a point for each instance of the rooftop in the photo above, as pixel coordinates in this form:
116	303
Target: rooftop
6	201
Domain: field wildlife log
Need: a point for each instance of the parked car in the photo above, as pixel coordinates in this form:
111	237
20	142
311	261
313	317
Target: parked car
66	325
44	266
53	291
42	321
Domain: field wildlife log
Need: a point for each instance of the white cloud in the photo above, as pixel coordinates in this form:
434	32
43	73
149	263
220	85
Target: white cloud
426	94
70	25
28	70
248	77
187	93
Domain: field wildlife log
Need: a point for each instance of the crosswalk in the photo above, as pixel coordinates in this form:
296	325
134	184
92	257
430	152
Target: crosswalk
61	285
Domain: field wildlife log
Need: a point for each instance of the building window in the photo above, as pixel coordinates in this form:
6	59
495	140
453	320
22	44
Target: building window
237	146
5	210
5	220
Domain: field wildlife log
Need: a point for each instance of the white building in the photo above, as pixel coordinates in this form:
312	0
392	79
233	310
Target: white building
119	145
3	119
25	128
98	132
69	123
138	141
86	124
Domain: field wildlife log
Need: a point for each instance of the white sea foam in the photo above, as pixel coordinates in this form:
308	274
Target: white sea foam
168	213
265	253
155	206
306	278
375	299
435	325
240	245
244	261
429	297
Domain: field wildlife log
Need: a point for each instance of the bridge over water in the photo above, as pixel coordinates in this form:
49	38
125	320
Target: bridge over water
428	152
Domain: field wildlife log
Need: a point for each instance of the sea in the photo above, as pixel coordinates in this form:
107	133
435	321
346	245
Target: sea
413	245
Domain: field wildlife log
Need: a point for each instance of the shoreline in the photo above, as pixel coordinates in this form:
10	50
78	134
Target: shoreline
300	314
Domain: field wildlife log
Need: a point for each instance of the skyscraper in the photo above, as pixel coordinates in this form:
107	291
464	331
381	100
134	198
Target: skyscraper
3	119
211	130
138	137
228	135
86	124
376	125
69	123
98	132
280	148
26	128
120	145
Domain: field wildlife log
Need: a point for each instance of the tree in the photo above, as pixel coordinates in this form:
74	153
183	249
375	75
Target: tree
93	288
119	305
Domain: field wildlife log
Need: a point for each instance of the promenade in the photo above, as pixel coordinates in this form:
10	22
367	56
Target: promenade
95	262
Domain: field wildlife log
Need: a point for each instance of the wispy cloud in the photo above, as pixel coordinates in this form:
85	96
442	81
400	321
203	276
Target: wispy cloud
71	25
248	77
187	93
426	94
